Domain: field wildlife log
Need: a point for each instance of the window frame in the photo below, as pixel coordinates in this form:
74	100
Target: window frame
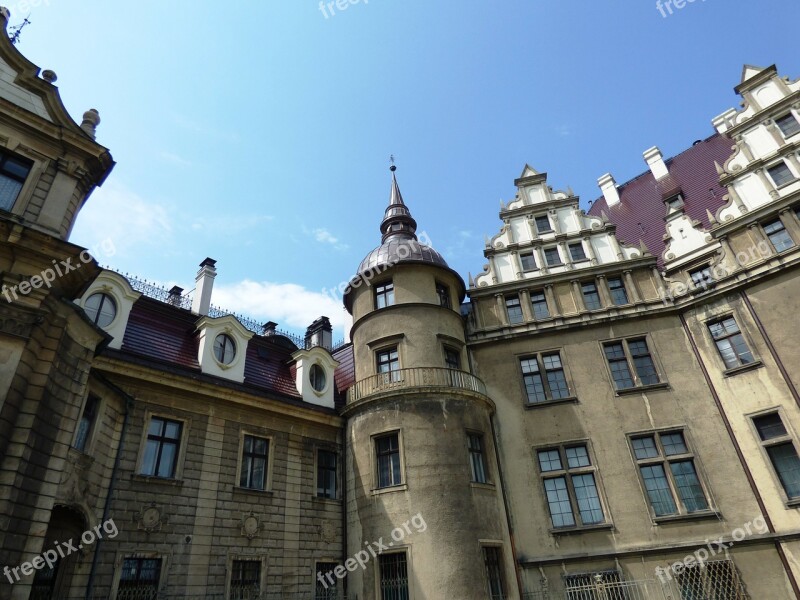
542	371
781	228
778	165
228	342
88	443
381	292
621	287
536	220
557	250
579	245
332	591
317	467
532	255
789	437
593	283
5	156
392	375
374	438
497	549
536	317
444	295
507	300
632	370
163	567
106	295
452	351
243	434
788	115
406	552
245	559
745	337
181	450
481	453
708	281
567	473
664	460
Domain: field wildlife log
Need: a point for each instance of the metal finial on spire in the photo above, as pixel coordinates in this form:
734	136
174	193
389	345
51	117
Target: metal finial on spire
17	30
393	168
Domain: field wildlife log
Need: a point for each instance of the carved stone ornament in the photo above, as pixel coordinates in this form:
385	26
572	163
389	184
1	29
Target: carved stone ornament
149	518
250	526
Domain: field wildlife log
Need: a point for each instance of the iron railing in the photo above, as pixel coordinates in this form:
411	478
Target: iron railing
402	379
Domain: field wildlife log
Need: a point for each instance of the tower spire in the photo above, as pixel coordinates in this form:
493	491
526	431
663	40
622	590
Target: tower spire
397	220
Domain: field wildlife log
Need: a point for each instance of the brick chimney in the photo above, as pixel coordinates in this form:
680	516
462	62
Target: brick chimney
320	333
204	284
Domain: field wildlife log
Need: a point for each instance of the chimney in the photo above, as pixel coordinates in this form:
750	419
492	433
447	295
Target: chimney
204	283
269	328
609	188
655	161
175	295
320	333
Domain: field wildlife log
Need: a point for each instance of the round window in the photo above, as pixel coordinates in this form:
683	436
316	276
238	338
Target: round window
317	377
101	309
224	349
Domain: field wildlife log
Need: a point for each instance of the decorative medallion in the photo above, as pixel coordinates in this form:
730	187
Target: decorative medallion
250	526
149	518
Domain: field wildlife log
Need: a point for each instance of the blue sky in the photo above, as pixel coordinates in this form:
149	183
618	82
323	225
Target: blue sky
259	133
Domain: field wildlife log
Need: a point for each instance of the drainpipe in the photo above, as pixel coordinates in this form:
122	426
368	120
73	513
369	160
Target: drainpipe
344	501
107	508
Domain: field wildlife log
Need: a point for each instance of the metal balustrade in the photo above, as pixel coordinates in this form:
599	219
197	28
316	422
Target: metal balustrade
404	379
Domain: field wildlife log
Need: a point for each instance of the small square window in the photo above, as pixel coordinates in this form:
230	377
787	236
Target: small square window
781	174
539	305
778	236
619	296
552	257
702	277
452	358
788	125
577	252
528	262
591	297
675	202
514	310
543	224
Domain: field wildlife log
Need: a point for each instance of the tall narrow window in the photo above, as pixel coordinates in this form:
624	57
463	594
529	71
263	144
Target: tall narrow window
443	293
494	572
544	378
452	358
552	257
619	296
539	305
568	477
394	576
245	579
624	354
514	310
326	474
577	252
668	472
730	343
13	172
778	236
384	294
781	174
387	450
590	296
87	422
781	451
161	451
255	458
326	590
139	578
477	460
543	224
788	125
388	363
528	262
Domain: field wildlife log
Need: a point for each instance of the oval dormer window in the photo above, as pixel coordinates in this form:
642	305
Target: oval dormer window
224	349
317	377
101	309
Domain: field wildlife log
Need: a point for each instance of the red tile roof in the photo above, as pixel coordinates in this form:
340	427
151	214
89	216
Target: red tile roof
345	373
641	211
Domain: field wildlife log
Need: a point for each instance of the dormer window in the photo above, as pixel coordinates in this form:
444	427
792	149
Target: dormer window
316	376
674	202
224	349
100	308
13	172
788	125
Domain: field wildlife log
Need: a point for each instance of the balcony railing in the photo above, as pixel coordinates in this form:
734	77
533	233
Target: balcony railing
404	379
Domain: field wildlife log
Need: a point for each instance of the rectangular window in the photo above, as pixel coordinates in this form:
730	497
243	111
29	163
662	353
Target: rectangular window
326	474
619	296
443	292
630	363
590	296
568	477
788	125
715	579
494	572
387	450
583	586
388	363
702	277
477	460
781	451
552	257
163	443
245	579
528	262
329	591
139	578
452	358
13	172
514	310
668	472
781	174
384	295
543	224
778	236
730	343
86	424
394	576
539	305
544	378
577	252
255	458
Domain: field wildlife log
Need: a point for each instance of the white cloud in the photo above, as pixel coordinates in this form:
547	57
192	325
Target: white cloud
324	236
289	304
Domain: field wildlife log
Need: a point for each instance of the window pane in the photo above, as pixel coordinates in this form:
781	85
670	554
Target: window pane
655	482
621	374
494	573
528	262
577	456
770	427
588	499
549	460
552	257
539	303
558	501
166	464
149	459
673	444
788	124
787	465
9	190
780	174
576	252
514	310
689	489
590	296
618	294
394	576
477	461
778	235
326	591
645	447
543	224
558	384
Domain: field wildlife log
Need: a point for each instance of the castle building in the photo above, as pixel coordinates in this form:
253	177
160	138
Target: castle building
608	410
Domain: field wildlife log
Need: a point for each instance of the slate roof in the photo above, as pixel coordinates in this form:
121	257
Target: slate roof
641	211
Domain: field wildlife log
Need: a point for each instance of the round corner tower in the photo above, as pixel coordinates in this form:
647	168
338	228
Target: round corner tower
422	474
